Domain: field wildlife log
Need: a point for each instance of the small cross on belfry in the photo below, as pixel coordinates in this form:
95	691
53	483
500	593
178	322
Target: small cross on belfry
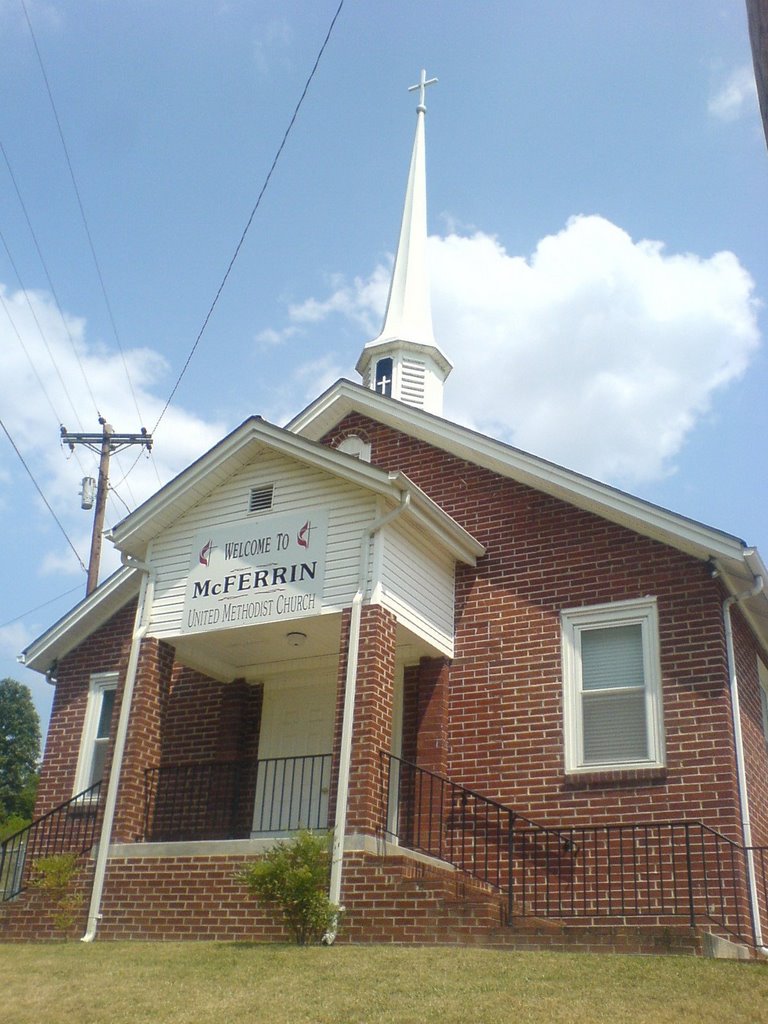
383	384
422	87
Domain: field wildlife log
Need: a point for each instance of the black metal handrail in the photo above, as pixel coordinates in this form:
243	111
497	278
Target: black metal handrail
662	872
68	828
430	813
236	799
665	871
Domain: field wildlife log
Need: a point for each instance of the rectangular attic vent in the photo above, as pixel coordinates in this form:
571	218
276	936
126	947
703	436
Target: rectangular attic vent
261	498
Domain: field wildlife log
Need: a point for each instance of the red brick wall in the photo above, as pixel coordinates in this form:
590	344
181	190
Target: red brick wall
386	899
207	726
184	898
505	714
34	916
106	650
143	742
178	716
373	716
210	721
410	712
433	706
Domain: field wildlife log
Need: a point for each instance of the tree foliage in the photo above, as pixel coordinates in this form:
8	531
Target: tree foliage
294	875
19	750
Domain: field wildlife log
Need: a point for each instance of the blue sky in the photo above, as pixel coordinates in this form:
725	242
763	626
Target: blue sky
598	197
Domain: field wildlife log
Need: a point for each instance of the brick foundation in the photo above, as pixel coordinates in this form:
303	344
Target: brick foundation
389	899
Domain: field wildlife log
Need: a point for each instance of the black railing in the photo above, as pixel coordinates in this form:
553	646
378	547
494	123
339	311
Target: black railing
236	799
68	828
662	872
429	813
657	872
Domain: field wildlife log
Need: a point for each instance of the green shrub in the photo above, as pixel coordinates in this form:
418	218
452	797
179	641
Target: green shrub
294	875
56	875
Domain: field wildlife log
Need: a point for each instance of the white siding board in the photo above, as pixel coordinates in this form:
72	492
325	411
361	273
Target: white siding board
417	584
351	509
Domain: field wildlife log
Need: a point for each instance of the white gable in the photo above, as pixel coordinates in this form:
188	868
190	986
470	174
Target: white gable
265	531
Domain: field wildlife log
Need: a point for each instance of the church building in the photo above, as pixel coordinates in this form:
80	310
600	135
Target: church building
531	708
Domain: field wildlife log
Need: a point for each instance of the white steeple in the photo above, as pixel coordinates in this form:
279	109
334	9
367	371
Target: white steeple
404	360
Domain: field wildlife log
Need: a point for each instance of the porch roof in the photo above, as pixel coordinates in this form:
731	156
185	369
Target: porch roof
134	533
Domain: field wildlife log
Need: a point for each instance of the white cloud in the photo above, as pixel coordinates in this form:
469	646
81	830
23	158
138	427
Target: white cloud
33	422
269	337
274	36
307	380
361	303
734	96
598	352
13	638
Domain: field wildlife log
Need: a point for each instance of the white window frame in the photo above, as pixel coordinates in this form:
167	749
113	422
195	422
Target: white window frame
762	679
574	622
101	682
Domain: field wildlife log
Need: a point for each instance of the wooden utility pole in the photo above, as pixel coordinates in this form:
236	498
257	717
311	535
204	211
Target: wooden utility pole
104	445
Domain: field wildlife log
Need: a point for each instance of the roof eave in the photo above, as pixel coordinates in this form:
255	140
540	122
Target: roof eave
583	492
79	622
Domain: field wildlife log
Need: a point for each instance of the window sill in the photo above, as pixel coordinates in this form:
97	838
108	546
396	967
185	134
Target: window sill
615	776
83	807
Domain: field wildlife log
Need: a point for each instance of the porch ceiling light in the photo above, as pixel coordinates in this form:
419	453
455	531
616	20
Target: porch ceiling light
296	639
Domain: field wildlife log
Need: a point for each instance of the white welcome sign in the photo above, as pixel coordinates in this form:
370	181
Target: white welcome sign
263	570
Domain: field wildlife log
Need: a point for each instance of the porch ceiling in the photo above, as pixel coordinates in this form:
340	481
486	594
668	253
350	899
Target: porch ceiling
259	652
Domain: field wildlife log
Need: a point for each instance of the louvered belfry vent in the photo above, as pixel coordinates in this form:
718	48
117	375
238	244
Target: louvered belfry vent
261	498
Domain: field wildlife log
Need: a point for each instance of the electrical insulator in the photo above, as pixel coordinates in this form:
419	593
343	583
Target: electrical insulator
87	493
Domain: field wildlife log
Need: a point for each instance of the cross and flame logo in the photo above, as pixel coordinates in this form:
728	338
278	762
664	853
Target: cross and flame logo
304	534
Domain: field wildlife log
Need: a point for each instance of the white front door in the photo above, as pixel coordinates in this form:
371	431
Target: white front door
295	743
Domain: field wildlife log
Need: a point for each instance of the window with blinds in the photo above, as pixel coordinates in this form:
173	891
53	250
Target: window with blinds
97	729
101	739
612	686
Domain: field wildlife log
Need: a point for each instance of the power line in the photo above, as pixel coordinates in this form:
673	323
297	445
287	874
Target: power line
82	210
39	491
31	611
253	214
64	323
39	326
131	495
39	379
114	494
16	331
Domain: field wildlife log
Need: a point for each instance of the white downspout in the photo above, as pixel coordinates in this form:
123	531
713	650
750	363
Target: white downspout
141	624
746	824
350	688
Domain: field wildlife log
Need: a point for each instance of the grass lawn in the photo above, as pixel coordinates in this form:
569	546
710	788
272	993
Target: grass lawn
221	983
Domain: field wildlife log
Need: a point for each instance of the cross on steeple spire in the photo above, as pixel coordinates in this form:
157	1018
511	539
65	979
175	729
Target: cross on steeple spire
404	361
422	87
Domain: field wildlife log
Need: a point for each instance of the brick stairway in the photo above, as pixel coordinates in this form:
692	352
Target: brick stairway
399	900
